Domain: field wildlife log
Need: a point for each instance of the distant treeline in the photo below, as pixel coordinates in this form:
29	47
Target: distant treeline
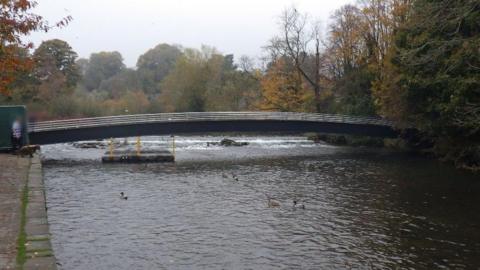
166	78
415	62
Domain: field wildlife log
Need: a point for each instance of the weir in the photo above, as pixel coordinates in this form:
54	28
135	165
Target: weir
138	155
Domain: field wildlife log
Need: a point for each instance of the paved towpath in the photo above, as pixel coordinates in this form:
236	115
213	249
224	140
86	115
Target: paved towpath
13	176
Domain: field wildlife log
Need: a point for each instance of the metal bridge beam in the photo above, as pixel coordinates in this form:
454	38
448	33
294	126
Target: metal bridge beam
71	134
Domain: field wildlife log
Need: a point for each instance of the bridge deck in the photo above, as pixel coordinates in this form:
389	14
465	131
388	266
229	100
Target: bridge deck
204	122
203	116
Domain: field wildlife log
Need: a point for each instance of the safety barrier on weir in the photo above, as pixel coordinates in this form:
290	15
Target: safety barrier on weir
60	131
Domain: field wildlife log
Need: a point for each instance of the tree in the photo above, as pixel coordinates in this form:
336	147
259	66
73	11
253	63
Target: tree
345	45
435	71
155	65
56	55
300	41
82	65
121	83
353	94
347	58
381	19
16	21
24	87
207	80
184	87
102	66
282	89
229	89
357	47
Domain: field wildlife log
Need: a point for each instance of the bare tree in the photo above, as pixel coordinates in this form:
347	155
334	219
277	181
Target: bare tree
300	42
246	64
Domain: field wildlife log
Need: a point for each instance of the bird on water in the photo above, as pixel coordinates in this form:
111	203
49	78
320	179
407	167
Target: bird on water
234	177
273	203
298	205
122	196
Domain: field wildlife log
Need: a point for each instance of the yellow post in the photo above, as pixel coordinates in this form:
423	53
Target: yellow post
110	146
173	146
138	146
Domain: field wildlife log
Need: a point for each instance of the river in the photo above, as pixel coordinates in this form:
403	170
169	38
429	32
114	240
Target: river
364	208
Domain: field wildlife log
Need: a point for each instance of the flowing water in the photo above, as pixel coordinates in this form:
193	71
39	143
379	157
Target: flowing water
365	208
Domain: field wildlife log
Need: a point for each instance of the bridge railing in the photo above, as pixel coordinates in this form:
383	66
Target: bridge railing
202	116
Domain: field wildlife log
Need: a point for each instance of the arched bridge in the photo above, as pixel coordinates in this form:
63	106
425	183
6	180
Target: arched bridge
61	131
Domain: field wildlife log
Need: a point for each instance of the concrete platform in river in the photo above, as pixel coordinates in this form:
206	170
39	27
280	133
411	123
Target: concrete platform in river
131	156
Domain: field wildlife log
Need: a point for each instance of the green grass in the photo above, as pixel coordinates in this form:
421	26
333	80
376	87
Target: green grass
22	236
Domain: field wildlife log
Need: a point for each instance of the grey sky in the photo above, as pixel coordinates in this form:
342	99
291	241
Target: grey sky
131	27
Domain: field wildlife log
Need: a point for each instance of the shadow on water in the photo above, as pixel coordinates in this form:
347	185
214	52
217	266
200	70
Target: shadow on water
364	209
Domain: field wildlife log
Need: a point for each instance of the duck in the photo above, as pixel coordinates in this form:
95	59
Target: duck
273	203
122	196
298	205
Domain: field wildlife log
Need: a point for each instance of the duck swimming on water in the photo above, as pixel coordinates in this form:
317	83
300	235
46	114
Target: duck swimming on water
122	196
273	203
298	205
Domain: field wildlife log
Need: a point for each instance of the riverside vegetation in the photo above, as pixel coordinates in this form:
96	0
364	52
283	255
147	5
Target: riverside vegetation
415	62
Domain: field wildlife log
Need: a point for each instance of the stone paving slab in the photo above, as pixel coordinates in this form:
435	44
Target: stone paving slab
39	253
13	176
39	249
36	229
38	221
40	263
36	210
38	245
41	189
36	199
35	181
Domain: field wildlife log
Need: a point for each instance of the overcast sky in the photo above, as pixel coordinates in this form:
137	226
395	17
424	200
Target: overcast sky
131	27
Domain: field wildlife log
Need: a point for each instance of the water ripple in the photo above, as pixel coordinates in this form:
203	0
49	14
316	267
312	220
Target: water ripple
364	210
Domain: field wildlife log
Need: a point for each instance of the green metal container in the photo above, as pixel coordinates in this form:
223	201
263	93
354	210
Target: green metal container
8	114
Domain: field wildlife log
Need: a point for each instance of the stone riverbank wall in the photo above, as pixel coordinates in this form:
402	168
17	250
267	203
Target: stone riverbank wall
24	231
38	249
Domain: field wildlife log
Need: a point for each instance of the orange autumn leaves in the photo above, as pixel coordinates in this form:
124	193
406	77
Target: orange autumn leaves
16	21
283	90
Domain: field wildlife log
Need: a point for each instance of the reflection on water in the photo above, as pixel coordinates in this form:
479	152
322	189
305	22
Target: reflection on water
365	209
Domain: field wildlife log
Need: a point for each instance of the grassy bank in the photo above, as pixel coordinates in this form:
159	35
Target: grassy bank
22	236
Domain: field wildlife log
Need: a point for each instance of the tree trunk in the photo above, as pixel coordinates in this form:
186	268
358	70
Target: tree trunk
317	75
317	99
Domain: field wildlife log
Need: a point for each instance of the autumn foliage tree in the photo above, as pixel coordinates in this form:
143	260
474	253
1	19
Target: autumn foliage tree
206	80
16	21
283	89
359	39
300	42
